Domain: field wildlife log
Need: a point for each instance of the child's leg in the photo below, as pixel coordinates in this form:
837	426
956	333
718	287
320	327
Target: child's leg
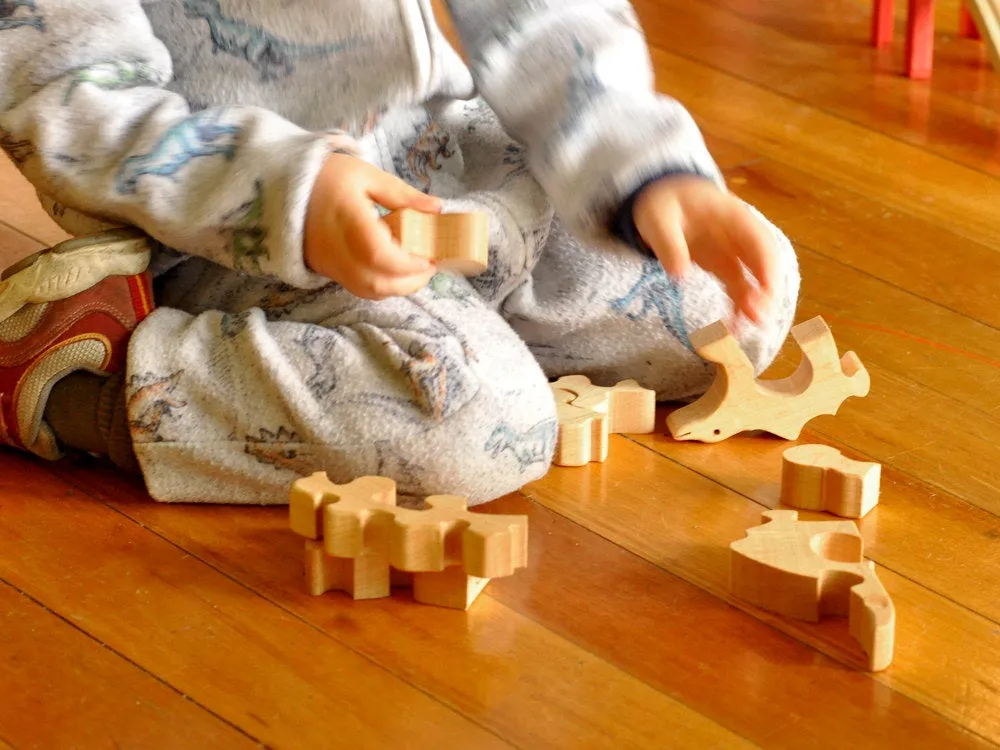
240	384
613	314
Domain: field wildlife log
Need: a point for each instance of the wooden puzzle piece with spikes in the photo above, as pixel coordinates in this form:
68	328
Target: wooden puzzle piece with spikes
457	242
359	541
805	569
588	413
738	401
820	477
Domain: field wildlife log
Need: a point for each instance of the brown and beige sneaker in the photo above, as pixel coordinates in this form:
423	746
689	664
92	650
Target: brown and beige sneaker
71	307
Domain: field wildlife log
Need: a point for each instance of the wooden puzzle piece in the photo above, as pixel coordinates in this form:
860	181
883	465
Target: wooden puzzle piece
630	407
805	569
445	535
583	433
738	401
450	588
820	477
364	539
457	242
311	494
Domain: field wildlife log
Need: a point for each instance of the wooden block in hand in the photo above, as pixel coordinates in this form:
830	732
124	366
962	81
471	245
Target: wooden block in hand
456	242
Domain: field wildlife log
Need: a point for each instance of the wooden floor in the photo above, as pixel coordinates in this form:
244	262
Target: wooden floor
128	624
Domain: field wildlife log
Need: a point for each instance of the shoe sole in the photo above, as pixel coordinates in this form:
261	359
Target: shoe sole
72	267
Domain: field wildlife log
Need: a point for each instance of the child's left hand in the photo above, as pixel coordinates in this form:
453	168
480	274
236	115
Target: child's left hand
690	219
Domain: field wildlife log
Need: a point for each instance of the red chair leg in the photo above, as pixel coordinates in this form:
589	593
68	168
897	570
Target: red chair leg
920	39
882	16
967	24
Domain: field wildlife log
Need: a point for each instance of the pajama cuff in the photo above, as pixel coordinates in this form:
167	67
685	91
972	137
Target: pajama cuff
623	223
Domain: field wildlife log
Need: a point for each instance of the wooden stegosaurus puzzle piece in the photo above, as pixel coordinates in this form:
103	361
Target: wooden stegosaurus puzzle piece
820	477
457	242
805	569
358	540
737	401
588	413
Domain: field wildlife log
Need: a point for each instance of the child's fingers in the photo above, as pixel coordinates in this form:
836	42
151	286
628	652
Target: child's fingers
371	245
755	246
379	287
663	231
393	193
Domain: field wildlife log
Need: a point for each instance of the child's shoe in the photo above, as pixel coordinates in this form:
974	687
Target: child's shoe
71	307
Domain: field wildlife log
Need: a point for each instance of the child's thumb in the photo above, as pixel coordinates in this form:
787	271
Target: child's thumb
392	193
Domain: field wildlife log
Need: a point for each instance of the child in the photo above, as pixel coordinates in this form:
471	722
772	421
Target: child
244	144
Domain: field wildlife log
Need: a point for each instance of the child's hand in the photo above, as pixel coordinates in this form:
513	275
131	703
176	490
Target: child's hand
689	219
346	241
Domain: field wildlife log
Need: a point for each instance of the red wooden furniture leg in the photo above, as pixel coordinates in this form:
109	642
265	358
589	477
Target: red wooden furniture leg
967	24
882	13
920	39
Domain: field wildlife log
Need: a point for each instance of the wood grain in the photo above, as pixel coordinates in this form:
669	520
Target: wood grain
492	664
683	523
204	634
63	689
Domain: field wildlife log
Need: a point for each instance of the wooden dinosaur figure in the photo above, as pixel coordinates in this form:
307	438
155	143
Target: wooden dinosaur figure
738	401
805	569
583	433
457	242
820	477
364	543
630	407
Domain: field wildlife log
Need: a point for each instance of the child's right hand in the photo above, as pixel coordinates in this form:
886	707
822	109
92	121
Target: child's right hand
347	242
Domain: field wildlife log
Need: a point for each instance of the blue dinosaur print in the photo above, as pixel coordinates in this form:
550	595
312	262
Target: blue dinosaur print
319	346
269	55
246	232
113	76
535	445
18	151
198	136
656	293
10	21
425	153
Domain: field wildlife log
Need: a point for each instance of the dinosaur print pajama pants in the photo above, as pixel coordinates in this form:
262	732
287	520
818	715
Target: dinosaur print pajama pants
240	383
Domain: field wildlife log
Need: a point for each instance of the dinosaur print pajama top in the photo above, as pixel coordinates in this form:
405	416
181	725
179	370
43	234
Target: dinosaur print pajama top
205	123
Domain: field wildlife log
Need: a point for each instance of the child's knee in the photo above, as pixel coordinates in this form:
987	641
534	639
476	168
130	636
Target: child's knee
504	440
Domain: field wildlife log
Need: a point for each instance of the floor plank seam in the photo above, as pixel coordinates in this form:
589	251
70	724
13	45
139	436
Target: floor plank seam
71	480
126	659
830	113
882	565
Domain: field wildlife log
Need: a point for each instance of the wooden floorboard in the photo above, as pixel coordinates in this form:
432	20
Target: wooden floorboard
126	623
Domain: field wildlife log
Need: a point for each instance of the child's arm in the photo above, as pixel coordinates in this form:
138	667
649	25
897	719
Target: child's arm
84	114
572	79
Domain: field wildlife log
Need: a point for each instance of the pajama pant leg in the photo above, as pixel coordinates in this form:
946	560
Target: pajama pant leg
613	314
238	385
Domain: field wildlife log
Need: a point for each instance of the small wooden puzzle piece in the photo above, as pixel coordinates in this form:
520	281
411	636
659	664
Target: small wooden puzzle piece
364	543
451	588
457	242
820	477
583	433
805	569
738	401
630	407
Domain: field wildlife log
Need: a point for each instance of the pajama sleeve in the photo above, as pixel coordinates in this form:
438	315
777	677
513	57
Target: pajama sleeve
85	115
573	81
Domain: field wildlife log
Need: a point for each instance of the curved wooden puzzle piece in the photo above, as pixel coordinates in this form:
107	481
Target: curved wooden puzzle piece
363	538
583	433
457	242
820	477
737	401
630	407
805	569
